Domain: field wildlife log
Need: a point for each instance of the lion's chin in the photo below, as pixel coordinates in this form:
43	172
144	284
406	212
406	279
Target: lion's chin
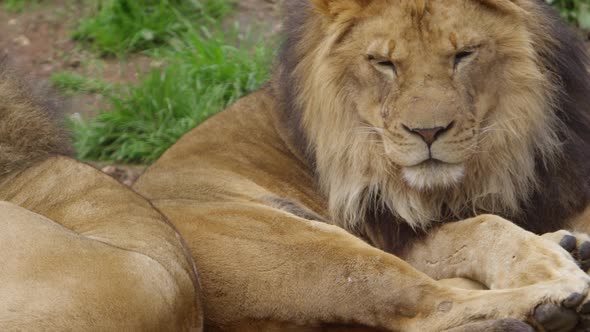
433	175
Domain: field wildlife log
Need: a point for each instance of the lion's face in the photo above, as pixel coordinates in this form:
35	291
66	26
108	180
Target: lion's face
426	77
426	107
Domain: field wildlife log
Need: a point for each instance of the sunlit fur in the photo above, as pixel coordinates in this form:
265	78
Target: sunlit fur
432	176
508	123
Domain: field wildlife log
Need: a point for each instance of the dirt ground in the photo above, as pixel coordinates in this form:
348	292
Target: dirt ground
38	42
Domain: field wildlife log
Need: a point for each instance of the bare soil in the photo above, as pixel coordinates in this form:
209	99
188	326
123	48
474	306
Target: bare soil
38	42
263	16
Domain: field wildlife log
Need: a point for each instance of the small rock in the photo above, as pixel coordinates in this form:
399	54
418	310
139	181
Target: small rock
110	170
22	40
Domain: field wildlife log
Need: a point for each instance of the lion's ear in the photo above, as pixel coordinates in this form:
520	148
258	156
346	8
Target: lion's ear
506	6
339	8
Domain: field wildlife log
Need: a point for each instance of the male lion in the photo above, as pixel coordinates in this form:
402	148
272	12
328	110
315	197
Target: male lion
78	250
384	122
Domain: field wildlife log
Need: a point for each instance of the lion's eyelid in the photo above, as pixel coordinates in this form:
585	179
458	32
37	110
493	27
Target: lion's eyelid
464	54
382	62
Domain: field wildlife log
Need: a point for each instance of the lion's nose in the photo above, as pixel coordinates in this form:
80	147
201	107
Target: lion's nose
429	135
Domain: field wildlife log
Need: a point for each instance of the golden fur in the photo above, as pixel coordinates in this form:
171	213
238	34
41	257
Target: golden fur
79	250
361	154
274	194
295	200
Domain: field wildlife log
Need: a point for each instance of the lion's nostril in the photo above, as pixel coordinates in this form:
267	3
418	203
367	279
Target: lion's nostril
429	135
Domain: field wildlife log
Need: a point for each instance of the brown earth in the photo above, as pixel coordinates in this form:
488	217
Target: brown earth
37	41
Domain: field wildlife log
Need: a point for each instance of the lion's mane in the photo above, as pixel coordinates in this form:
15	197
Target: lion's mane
538	181
31	125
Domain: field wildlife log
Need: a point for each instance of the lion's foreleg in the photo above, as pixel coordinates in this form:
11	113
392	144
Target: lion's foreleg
260	263
499	255
492	251
500	325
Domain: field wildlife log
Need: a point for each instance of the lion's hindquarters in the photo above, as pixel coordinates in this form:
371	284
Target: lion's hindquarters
55	279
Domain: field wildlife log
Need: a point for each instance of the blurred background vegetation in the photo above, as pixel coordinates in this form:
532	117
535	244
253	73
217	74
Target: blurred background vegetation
204	62
575	11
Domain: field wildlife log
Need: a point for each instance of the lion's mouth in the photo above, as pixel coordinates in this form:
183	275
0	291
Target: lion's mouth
432	162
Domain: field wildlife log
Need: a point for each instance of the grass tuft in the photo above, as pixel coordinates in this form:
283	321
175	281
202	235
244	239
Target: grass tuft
203	75
72	83
126	26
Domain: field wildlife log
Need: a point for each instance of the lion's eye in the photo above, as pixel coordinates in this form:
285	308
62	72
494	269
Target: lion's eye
386	64
383	65
462	56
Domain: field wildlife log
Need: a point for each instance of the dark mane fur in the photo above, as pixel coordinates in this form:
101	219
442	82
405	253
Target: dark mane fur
282	85
381	227
30	124
564	189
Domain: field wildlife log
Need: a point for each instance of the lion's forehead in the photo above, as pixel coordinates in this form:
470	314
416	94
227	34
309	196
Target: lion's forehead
401	31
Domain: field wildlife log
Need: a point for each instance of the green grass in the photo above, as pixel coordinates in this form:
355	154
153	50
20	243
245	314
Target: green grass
203	75
18	5
126	26
72	83
575	11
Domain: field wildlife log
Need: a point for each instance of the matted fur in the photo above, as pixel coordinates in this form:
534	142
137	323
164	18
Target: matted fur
529	158
30	126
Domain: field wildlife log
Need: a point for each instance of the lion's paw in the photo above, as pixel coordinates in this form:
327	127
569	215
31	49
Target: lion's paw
556	317
567	314
577	244
554	306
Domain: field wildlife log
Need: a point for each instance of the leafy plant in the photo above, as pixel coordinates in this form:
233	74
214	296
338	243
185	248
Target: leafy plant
575	11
